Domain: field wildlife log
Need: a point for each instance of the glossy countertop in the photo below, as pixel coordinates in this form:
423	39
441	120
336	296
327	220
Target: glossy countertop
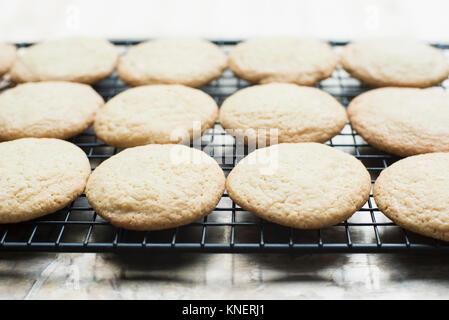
223	276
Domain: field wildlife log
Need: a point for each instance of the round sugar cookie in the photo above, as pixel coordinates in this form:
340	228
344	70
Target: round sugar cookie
191	62
283	59
395	62
47	110
282	112
155	114
75	59
39	177
156	187
414	193
7	57
402	121
300	185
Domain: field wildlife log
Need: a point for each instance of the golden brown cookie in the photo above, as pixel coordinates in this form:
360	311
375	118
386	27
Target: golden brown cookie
402	121
156	187
7	57
76	59
155	114
39	177
283	59
414	193
395	62
282	112
52	109
191	62
300	185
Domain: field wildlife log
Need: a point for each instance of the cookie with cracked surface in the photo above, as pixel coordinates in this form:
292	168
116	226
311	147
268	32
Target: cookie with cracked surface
76	59
155	114
300	185
302	61
414	193
191	62
295	113
7	57
39	177
395	62
403	121
156	187
52	109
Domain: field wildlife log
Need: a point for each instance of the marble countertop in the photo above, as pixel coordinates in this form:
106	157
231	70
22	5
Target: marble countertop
223	276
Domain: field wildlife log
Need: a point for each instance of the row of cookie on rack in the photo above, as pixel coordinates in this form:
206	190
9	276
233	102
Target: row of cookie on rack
401	121
195	62
340	186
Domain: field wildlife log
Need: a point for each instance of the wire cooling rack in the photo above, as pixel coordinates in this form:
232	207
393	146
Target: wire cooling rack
228	229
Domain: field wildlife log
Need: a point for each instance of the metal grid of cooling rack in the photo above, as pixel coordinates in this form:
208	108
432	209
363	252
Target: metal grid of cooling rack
228	229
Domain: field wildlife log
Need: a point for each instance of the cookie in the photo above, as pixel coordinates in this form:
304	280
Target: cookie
414	193
39	177
191	62
47	110
402	121
156	187
282	112
283	59
155	114
7	57
395	62
300	185
76	59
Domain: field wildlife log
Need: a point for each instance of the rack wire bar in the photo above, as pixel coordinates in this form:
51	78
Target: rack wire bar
228	229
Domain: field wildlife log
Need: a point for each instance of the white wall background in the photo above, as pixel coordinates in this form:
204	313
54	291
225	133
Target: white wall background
31	20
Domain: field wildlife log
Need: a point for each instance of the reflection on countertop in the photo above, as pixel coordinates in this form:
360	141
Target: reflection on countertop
222	276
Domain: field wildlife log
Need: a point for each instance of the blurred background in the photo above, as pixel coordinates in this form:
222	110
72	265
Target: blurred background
30	20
